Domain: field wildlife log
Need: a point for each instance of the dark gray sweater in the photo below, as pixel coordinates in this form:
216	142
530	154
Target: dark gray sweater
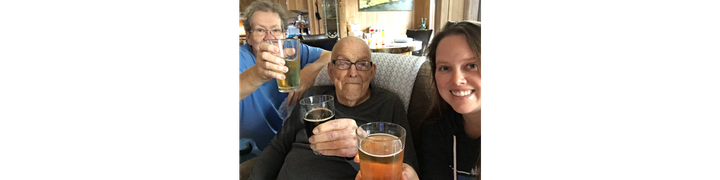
436	148
288	156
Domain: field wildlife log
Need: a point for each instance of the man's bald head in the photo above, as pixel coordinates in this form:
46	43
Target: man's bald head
350	43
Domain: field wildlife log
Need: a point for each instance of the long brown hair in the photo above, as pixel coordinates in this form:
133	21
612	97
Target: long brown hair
471	30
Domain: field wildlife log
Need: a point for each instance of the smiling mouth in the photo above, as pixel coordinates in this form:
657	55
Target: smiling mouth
462	93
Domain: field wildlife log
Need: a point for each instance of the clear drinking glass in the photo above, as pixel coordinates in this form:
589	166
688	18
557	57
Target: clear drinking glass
316	110
381	146
289	50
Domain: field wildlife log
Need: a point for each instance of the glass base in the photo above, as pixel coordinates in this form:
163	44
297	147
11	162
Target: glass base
285	90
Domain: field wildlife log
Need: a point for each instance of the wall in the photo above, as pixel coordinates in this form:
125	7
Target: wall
316	26
394	22
421	9
455	10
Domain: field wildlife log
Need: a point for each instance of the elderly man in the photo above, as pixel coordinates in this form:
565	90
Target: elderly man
290	154
260	100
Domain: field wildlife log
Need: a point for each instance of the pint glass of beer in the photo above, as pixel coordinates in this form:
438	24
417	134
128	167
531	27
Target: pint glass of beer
289	50
381	146
316	110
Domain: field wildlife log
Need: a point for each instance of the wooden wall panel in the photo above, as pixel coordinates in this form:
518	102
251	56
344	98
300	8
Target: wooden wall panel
314	23
344	16
421	9
452	10
394	22
297	4
457	10
471	9
316	27
441	14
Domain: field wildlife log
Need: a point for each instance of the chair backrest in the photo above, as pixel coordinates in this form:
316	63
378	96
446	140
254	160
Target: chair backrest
326	44
395	73
420	35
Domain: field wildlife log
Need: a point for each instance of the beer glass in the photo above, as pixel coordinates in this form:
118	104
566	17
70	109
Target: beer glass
381	146
289	50
316	110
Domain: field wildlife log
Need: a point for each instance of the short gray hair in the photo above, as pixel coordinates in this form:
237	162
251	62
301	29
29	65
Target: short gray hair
264	6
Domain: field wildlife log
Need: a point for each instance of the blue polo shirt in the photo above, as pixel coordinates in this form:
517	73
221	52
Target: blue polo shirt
259	115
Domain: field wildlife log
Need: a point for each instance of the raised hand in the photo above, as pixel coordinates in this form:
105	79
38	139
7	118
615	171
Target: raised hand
267	64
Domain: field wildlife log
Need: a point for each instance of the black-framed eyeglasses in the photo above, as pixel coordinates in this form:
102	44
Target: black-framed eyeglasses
263	32
345	64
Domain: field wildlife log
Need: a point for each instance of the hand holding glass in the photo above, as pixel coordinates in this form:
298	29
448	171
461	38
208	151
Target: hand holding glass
289	49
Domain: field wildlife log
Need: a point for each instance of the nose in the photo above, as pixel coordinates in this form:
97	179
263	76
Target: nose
269	36
459	78
352	72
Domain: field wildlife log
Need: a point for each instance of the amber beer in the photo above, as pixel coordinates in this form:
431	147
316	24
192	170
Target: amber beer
289	49
381	147
315	117
381	157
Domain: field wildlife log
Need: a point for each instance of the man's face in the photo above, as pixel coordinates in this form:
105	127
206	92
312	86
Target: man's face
266	22
351	84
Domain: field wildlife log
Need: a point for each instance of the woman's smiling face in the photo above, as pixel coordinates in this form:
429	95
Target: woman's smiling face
457	74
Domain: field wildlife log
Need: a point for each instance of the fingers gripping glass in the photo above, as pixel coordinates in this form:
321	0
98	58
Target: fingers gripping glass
288	51
263	32
345	64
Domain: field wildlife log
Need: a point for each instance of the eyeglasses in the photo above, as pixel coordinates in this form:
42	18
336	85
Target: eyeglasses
345	64
262	32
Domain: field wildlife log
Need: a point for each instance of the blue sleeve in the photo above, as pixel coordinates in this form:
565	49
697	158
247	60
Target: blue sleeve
309	54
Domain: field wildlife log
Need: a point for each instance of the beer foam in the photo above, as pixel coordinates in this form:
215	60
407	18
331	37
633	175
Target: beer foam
318	120
396	142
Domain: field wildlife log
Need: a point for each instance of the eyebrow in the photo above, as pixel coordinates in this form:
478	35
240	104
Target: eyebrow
271	27
470	59
462	60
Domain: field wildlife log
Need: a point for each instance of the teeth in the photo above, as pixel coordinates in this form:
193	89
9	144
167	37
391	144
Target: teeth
460	93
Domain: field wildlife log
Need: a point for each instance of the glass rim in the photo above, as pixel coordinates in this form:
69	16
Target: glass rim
404	131
283	39
328	98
